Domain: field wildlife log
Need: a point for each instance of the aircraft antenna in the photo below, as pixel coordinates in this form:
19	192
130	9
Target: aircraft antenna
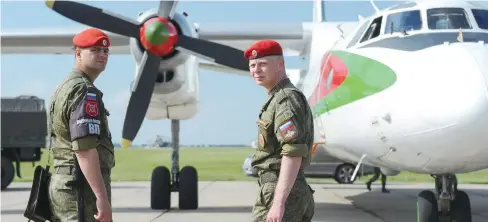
374	6
318	11
360	17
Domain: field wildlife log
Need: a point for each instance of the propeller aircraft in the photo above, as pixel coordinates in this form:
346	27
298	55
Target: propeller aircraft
404	89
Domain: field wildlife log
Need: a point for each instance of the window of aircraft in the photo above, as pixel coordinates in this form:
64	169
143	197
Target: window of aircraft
481	17
403	22
358	34
373	30
447	18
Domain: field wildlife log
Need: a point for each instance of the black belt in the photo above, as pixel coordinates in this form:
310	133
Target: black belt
68	170
272	176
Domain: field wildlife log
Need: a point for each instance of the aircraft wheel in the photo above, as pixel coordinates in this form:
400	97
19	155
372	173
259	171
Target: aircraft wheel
188	188
344	173
8	172
461	208
160	188
427	207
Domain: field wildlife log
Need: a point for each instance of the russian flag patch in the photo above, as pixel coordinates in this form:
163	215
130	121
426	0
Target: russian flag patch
91	96
288	130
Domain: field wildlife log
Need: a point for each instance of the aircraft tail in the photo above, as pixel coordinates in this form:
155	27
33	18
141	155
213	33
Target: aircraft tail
319	11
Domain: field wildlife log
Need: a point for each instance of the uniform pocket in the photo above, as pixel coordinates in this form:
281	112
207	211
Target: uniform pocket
267	194
264	135
63	198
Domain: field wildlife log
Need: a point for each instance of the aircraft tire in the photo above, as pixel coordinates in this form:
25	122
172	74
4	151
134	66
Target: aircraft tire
8	172
346	167
461	207
427	207
188	188
160	188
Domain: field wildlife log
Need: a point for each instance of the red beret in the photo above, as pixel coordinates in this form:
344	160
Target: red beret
263	48
91	37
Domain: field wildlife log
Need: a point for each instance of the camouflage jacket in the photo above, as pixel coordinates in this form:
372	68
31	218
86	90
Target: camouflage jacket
285	128
79	121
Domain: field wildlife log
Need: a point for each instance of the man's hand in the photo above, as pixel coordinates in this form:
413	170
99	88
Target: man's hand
276	212
104	210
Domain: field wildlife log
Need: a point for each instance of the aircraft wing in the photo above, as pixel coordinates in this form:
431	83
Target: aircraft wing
52	41
291	36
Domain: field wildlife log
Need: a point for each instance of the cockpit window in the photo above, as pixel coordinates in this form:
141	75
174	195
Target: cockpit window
403	22
481	17
447	18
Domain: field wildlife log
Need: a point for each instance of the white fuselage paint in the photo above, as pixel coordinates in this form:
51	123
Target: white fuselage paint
431	120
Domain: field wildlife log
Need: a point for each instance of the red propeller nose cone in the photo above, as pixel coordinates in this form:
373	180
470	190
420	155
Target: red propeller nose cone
158	36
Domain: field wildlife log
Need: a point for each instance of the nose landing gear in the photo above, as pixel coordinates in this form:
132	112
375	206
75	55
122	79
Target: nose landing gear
446	203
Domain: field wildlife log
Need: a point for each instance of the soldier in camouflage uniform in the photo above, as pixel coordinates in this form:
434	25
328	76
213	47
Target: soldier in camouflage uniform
285	136
78	121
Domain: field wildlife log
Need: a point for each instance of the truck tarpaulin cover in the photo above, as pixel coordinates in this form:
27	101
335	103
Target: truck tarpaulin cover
23	122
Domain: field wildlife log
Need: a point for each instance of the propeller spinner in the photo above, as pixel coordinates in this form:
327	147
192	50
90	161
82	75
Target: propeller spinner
159	37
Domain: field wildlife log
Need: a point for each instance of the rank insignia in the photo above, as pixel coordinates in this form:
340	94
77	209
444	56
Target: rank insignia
288	130
261	140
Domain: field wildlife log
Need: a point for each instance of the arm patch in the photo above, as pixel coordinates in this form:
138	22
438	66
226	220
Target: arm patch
85	120
288	130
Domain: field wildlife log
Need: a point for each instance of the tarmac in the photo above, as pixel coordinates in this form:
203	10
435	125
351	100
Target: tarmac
232	201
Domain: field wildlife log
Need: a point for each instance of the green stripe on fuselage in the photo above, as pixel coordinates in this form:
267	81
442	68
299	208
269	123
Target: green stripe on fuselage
365	77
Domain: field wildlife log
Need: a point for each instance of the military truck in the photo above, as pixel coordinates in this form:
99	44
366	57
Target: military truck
24	133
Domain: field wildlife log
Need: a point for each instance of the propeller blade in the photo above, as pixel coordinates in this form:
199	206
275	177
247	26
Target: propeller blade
167	9
95	17
140	98
221	54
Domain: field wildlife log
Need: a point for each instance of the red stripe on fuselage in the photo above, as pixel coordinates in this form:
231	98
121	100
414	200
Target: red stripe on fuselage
329	62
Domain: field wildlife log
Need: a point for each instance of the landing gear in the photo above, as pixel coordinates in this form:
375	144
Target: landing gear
184	181
446	203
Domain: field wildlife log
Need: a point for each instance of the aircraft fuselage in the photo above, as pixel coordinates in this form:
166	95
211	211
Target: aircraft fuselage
412	99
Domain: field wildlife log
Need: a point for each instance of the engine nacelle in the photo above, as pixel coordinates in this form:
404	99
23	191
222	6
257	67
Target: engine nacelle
389	172
175	94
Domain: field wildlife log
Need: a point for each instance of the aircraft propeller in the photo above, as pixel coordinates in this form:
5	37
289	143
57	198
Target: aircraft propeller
159	37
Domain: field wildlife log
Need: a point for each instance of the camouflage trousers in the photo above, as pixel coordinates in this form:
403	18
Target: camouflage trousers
299	206
64	199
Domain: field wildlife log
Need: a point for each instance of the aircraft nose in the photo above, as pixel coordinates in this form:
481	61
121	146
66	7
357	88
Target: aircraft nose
479	54
448	101
453	83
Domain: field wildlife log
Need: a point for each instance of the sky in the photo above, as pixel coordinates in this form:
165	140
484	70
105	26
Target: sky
228	104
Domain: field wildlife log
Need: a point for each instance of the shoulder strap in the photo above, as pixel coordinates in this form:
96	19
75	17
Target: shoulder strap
51	119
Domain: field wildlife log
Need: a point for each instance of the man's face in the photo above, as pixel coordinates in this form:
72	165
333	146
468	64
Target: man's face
94	57
265	71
